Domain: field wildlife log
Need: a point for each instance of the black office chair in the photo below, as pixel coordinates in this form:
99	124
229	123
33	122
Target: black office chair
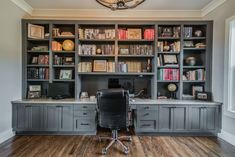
113	105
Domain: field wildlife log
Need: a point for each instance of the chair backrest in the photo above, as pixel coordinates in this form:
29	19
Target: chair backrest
113	108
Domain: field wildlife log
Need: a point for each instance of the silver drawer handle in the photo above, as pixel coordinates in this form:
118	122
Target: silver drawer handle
146	114
146	125
147	107
84	107
84	124
84	113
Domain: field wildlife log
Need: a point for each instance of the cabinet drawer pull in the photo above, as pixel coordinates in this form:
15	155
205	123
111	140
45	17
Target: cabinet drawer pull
84	124
84	113
84	107
76	123
28	106
146	125
146	114
146	108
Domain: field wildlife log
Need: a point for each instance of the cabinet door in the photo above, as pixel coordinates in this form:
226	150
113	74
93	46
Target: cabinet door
51	118
180	119
196	122
35	115
165	118
21	119
66	118
211	118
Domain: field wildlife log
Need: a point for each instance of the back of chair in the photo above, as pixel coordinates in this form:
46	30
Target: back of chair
113	108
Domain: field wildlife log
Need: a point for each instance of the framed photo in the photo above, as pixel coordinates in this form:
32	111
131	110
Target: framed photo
134	34
123	51
196	89
34	88
170	59
34	95
65	74
35	31
203	96
99	65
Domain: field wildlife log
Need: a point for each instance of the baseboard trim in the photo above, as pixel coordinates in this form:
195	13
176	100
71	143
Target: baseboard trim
228	137
6	135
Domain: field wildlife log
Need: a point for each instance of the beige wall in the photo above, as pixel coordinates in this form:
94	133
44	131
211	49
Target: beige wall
219	15
10	61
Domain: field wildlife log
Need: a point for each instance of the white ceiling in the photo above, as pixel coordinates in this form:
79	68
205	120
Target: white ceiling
147	5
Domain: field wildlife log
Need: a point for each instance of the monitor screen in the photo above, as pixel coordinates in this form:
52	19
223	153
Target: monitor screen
59	91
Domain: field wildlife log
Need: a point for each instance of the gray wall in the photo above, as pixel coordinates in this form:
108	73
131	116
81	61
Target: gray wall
219	15
10	60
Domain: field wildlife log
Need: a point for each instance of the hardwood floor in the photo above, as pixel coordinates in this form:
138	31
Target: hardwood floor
141	146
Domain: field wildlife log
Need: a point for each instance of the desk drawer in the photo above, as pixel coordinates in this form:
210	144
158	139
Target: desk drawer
147	107
85	114
84	124
146	125
146	115
84	107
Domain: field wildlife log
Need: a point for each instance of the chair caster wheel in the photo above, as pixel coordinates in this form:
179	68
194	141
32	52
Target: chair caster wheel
126	151
104	151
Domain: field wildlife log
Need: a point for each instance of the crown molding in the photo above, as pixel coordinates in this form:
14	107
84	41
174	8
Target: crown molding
211	6
23	5
106	14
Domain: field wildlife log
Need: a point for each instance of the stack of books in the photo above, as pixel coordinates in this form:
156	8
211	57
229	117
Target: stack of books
92	49
40	60
130	66
168	74
111	66
188	32
96	33
56	46
194	75
149	34
85	67
38	73
173	46
136	50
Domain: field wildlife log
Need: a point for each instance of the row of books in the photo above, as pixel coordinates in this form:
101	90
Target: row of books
169	31
188	32
136	33
136	50
40	60
38	73
96	33
168	46
130	66
88	67
168	74
192	75
58	60
85	67
96	49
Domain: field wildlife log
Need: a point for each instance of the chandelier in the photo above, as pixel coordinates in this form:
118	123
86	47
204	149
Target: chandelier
120	4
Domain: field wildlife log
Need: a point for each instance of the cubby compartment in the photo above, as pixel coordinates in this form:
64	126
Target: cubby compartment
191	31
34	87
164	93
63	31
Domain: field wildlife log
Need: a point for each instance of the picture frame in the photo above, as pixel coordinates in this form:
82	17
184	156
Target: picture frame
206	96
134	33
124	51
170	60
65	74
99	66
34	88
36	31
197	89
34	95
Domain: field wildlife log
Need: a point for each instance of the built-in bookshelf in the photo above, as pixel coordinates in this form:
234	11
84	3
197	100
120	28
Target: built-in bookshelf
157	53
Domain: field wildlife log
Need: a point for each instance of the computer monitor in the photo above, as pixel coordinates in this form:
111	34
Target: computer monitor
59	91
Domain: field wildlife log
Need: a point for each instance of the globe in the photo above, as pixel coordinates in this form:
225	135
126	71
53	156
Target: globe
68	45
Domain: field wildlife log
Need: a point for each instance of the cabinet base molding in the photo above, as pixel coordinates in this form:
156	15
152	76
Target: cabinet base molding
228	137
6	135
54	133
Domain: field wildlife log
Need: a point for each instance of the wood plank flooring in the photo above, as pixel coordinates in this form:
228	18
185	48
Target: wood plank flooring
141	146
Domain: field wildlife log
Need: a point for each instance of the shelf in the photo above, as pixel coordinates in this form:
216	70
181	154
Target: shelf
63	52
194	67
114	73
96	56
37	80
194	81
37	65
168	81
170	53
136	56
135	40
96	40
63	66
65	80
30	51
64	37
166	67
168	38
30	39
195	38
194	48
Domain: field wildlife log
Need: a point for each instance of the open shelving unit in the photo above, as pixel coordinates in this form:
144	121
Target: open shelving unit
121	51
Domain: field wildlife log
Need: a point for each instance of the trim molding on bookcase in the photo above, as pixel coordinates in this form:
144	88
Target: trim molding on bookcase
6	135
230	138
102	14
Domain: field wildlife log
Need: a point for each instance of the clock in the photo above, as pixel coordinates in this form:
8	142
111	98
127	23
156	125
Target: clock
172	88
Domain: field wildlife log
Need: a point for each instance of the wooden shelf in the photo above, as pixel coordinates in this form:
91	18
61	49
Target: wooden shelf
63	66
135	40
194	81
136	56
194	48
63	80
194	67
37	65
30	51
195	38
114	73
30	39
170	53
168	81
166	67
96	40
168	38
64	37
37	80
96	56
64	52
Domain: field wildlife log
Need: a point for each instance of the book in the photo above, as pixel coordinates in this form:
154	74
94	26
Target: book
168	74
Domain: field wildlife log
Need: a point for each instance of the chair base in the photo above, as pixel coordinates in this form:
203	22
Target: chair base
115	139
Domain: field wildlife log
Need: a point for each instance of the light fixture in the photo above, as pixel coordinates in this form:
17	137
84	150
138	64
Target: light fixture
120	4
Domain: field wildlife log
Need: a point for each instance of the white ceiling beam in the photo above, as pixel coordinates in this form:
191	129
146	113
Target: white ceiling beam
211	6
